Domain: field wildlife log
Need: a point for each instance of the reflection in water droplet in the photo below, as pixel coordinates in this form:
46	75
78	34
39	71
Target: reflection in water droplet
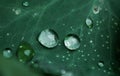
48	38
72	42
101	64
7	53
89	22
26	4
25	52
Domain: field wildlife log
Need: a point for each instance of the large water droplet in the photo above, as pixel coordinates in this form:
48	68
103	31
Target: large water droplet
25	52
25	4
101	64
72	42
7	53
48	38
89	22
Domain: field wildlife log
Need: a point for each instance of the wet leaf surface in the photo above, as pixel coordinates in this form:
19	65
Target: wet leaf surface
101	42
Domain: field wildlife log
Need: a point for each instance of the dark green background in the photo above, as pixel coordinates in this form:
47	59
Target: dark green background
65	17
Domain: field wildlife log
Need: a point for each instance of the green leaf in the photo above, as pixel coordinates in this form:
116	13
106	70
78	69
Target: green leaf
97	43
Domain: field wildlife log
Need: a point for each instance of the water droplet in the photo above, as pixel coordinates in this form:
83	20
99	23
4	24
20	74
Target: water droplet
92	67
8	34
104	71
72	42
48	38
34	63
64	73
101	64
50	62
96	9
35	14
91	41
89	22
25	3
101	35
25	52
7	53
17	11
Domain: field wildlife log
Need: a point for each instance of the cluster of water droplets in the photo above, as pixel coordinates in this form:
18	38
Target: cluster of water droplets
49	38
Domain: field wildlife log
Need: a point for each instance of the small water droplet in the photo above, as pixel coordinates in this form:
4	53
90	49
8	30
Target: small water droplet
67	58
35	14
89	22
88	54
85	59
91	41
92	67
13	45
48	38
96	9
102	36
98	55
101	64
8	34
57	56
50	62
104	71
17	11
64	73
34	64
72	42
25	3
85	45
25	52
7	53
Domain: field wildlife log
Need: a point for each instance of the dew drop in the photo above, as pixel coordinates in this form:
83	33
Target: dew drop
7	53
64	73
25	4
92	67
96	9
35	64
72	42
8	34
68	74
89	22
17	11
25	52
48	38
101	64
